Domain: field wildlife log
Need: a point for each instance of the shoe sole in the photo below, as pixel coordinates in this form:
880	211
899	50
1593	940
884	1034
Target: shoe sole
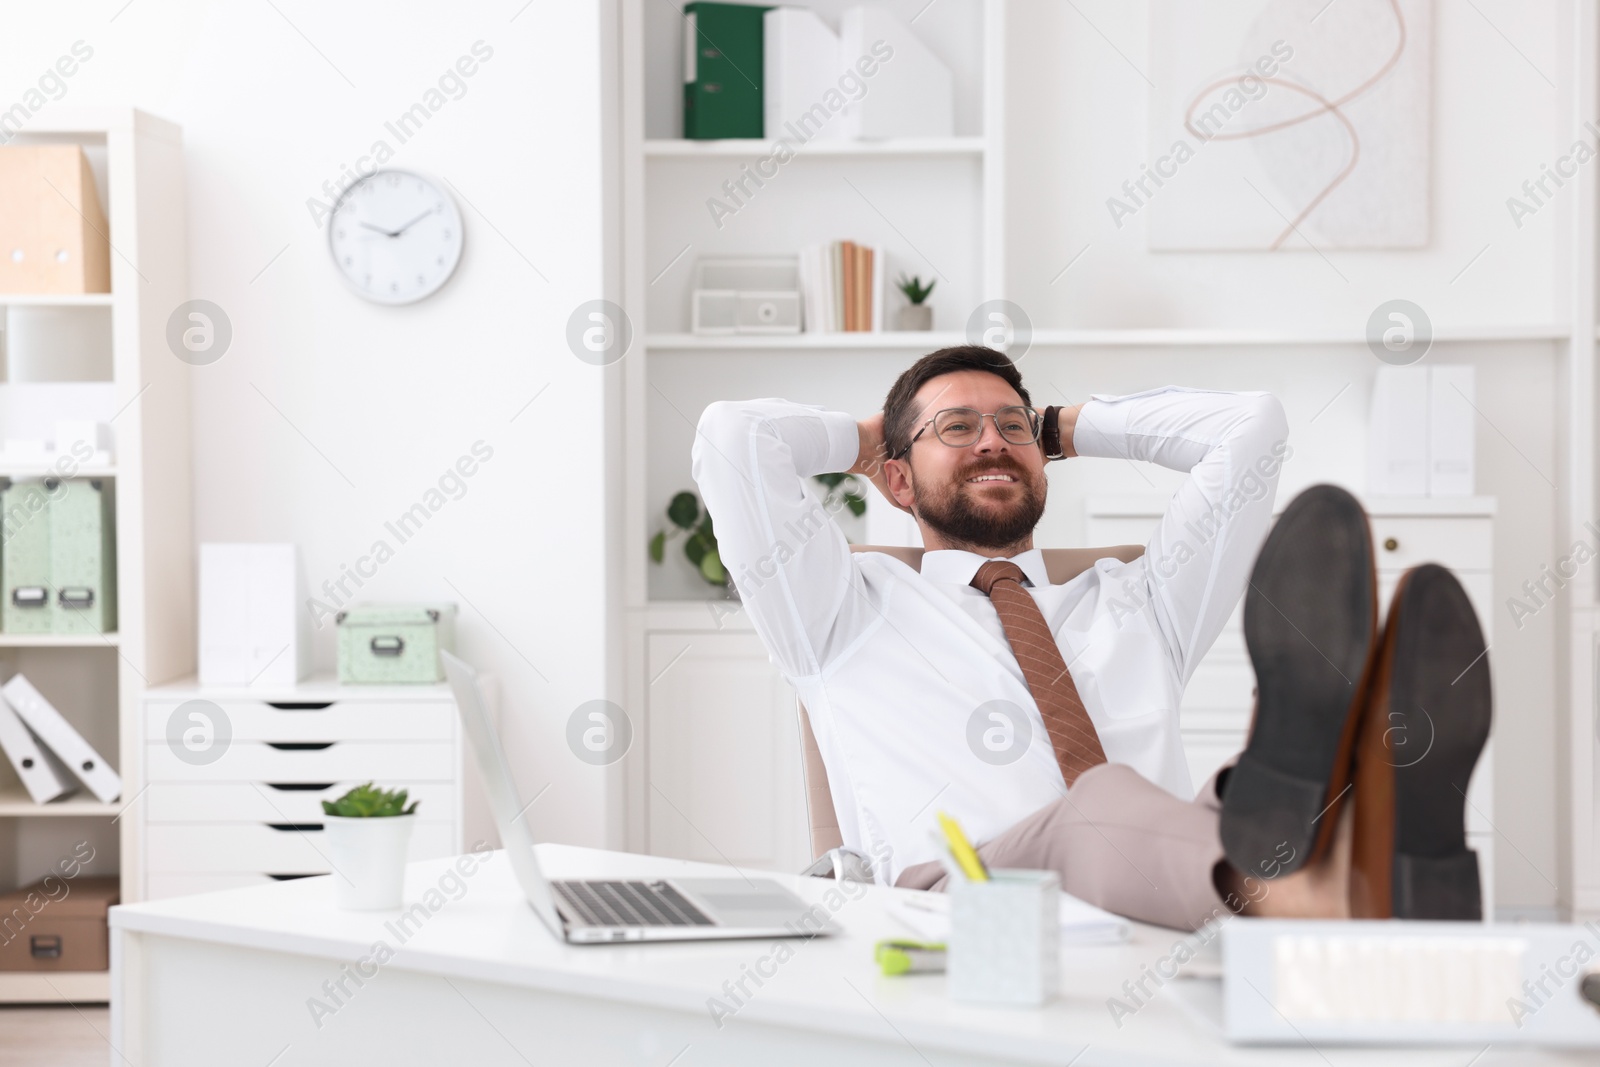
1430	716
1310	621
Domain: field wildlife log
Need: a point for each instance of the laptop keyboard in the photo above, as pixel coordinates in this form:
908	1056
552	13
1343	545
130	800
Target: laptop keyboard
630	904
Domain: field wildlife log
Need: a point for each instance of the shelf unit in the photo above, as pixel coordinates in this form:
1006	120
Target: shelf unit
1105	338
98	680
56	300
829	189
910	146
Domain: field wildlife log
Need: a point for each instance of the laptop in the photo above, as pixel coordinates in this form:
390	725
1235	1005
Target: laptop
599	911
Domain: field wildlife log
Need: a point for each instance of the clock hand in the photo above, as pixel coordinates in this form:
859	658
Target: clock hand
412	223
380	229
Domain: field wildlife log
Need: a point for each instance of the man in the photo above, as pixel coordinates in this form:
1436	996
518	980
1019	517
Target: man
1045	717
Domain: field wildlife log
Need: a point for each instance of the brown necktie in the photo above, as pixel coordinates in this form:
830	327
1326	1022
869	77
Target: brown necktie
1076	744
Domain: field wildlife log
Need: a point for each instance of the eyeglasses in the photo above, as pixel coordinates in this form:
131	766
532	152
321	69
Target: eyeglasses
961	427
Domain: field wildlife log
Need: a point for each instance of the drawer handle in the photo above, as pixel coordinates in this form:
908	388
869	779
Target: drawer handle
289	877
295	827
76	598
30	596
299	746
300	705
387	646
45	946
1390	544
300	787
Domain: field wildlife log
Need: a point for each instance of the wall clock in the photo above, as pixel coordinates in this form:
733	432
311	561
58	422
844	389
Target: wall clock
395	236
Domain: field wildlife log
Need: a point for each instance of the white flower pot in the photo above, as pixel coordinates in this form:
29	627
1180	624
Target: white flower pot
369	859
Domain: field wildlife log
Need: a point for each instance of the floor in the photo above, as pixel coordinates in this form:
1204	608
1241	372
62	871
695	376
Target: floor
55	1037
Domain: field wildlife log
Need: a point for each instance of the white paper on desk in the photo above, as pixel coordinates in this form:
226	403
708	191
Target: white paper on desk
1081	924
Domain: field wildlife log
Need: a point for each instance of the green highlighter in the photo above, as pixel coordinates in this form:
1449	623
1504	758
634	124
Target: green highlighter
895	956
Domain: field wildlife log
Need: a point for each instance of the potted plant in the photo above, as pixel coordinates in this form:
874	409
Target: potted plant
918	315
368	830
686	515
842	491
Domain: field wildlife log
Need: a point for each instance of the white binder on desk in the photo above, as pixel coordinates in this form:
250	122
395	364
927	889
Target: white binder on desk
47	724
42	774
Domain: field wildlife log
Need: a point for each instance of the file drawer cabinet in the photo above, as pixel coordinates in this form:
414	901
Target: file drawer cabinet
1215	714
235	778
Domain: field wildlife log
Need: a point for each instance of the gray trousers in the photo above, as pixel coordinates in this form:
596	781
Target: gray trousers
1120	842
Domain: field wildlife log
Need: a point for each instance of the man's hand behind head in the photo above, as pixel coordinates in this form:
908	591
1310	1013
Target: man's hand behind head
871	456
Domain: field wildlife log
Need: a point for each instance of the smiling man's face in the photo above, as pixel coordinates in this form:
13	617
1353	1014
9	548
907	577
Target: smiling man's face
986	496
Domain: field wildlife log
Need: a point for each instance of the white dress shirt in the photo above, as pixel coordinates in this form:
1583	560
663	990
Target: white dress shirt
915	697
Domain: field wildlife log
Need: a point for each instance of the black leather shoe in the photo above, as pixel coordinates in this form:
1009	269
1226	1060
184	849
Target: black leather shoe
1310	622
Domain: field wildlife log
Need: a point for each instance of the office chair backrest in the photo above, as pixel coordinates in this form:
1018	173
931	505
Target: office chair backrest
1061	564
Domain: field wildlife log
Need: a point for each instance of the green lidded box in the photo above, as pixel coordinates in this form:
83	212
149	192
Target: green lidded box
387	644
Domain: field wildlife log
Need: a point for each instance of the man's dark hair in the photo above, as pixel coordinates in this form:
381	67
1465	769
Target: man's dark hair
899	411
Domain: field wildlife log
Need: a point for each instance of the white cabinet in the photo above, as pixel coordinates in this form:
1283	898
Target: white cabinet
723	781
236	777
1215	716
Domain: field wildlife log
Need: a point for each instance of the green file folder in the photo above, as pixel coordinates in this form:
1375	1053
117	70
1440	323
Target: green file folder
83	557
29	607
722	74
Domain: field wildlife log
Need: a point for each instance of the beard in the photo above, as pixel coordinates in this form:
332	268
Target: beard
954	513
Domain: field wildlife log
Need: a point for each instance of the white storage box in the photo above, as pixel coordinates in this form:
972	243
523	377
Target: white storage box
253	627
754	296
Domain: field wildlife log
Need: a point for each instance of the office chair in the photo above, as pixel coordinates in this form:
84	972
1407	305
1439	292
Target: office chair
833	860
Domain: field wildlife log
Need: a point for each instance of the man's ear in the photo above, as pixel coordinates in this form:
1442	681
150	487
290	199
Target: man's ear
897	476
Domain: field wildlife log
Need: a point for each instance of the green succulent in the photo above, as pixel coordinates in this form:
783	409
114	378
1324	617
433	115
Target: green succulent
915	291
369	802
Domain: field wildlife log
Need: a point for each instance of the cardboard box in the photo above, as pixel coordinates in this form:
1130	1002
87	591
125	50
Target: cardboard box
53	235
58	924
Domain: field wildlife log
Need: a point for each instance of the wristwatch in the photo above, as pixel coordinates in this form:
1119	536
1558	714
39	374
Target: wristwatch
1050	433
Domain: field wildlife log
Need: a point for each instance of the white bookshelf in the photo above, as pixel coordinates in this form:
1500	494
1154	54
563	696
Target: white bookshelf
98	680
56	300
883	193
749	148
1088	338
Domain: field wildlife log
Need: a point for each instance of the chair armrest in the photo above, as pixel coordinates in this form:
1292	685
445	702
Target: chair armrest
841	864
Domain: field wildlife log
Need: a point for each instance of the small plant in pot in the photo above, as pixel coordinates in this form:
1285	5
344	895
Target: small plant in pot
685	515
917	315
368	830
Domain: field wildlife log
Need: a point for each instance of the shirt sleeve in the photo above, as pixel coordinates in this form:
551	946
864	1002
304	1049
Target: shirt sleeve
1198	561
788	558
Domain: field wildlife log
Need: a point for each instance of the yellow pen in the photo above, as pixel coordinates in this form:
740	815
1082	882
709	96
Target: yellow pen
962	850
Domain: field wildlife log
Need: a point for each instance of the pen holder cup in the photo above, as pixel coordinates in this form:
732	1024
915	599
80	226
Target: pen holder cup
1005	938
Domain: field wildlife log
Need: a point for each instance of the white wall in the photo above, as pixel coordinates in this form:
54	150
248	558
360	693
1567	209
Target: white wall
330	415
1077	129
1077	126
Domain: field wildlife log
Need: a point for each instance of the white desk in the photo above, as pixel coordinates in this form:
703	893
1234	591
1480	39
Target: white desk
228	978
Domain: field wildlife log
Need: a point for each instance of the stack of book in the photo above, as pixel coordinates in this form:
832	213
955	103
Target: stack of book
48	755
841	285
